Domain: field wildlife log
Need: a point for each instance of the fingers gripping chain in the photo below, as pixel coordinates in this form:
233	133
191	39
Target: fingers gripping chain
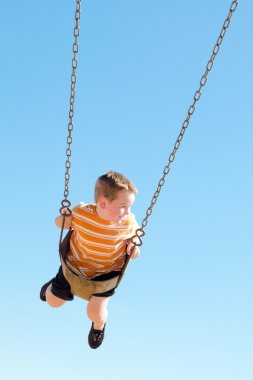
136	239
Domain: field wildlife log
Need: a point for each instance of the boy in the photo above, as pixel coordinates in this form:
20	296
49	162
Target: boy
101	236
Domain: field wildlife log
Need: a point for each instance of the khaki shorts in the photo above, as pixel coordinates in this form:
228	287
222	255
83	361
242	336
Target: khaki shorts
83	288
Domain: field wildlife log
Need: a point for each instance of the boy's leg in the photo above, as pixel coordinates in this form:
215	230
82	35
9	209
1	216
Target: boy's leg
52	300
97	311
56	291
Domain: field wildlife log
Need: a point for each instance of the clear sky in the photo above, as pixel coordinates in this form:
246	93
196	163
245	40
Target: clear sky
184	310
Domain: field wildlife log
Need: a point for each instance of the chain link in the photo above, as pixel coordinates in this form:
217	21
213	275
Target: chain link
65	202
136	239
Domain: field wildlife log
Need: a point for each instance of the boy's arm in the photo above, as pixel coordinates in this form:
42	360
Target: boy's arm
67	223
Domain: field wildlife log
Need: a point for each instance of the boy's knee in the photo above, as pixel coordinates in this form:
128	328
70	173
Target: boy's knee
52	300
55	304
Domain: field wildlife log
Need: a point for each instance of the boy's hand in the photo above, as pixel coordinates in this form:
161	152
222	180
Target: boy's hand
136	251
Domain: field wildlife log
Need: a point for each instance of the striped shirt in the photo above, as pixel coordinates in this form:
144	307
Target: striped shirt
97	246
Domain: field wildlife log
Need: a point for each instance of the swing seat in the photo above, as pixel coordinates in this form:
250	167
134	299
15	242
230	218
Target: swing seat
83	288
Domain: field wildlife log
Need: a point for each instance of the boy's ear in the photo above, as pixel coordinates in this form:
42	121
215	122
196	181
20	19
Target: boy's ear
102	202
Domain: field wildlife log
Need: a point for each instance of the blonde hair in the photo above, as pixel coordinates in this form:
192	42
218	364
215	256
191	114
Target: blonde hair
109	184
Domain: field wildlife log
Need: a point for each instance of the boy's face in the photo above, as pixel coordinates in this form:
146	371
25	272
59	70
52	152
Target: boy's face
119	209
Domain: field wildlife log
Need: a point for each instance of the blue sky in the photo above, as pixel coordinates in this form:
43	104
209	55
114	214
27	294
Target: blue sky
184	310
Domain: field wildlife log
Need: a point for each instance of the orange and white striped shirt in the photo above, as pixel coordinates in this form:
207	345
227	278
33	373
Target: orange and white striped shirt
97	246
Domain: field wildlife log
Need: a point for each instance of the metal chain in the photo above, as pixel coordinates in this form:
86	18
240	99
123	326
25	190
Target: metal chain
65	202
136	239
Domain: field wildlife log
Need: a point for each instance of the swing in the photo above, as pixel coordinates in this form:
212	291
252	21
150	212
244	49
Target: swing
80	286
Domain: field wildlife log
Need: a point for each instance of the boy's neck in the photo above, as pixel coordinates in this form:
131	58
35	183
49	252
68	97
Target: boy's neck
100	212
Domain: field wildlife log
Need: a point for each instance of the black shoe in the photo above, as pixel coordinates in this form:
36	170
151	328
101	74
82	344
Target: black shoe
96	337
43	290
